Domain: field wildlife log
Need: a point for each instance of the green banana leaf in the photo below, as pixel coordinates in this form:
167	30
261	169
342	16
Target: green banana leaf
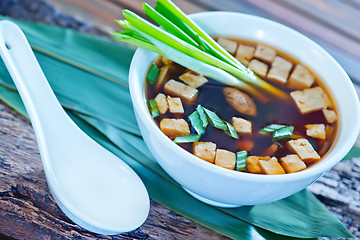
89	77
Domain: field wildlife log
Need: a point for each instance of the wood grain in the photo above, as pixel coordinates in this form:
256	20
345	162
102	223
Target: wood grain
28	211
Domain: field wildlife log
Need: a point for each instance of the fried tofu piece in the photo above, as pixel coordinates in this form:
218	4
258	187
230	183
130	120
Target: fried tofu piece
272	149
245	53
329	115
175	105
292	163
316	131
253	164
174	127
265	53
258	67
228	45
328	131
242	125
193	80
178	89
246	144
163	76
300	78
225	159
271	166
161	103
327	100
280	70
303	148
205	151
166	61
309	100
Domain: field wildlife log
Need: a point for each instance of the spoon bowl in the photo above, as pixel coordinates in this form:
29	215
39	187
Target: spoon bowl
92	186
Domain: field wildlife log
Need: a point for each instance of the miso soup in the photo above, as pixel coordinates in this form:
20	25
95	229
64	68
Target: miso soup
235	130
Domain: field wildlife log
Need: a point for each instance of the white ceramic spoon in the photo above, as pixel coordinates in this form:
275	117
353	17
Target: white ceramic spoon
93	187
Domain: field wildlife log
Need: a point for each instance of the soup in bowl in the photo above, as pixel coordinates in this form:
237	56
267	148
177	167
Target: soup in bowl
275	167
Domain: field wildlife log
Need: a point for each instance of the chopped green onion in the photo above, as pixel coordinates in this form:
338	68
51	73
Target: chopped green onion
283	133
241	160
153	108
187	138
153	74
196	122
271	128
278	131
202	115
215	120
231	131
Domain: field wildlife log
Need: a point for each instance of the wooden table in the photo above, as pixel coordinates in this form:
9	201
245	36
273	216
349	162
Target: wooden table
27	209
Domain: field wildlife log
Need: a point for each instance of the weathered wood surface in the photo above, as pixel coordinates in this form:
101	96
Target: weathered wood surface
27	210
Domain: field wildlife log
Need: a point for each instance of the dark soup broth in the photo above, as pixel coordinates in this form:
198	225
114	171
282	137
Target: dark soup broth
233	129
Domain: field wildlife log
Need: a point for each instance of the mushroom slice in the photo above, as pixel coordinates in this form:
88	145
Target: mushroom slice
240	101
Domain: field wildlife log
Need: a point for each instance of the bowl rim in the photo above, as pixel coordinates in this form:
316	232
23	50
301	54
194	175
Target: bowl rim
137	91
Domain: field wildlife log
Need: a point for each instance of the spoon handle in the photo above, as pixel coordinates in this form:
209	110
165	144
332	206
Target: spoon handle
39	100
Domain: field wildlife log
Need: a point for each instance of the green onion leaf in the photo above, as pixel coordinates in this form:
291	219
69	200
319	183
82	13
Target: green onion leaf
196	122
271	128
177	16
153	108
241	160
151	32
231	131
187	138
202	115
283	133
215	120
153	74
167	25
278	131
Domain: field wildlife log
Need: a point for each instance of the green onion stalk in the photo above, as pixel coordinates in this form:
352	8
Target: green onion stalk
181	40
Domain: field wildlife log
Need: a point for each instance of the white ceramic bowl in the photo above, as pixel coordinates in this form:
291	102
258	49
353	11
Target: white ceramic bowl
227	188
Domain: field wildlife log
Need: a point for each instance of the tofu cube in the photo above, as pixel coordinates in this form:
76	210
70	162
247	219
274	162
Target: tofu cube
205	151
303	148
328	131
166	61
225	159
228	45
272	149
161	103
316	131
309	100
163	76
292	163
174	127
329	115
271	166
300	78
265	53
245	53
242	125
280	70
327	100
193	80
253	164
179	89
258	67
246	144
175	105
